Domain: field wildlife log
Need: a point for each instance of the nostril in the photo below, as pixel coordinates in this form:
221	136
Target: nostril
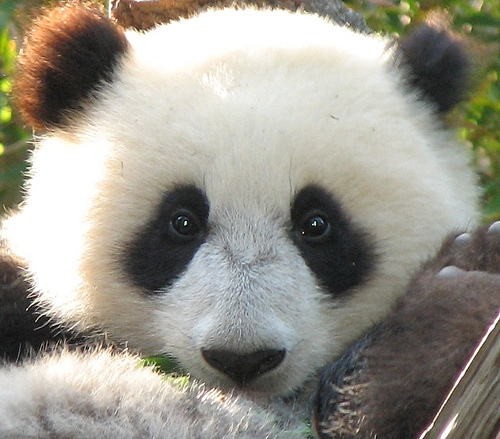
243	368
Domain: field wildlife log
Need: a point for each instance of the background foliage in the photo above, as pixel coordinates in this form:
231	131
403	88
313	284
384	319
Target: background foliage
479	118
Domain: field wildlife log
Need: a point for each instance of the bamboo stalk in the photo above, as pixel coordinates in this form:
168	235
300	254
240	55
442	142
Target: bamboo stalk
472	408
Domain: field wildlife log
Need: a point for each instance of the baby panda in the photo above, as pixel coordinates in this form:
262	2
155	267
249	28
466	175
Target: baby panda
247	192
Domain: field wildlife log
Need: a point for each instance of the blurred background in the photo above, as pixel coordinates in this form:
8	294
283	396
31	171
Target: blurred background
477	119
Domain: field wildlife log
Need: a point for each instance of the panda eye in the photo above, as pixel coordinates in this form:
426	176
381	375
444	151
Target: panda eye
315	227
184	225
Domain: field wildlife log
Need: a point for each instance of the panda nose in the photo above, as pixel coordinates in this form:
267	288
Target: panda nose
243	368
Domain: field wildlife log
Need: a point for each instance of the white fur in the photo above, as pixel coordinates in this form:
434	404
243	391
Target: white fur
100	395
250	106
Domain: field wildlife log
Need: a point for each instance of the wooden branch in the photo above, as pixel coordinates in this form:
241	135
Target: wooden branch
472	408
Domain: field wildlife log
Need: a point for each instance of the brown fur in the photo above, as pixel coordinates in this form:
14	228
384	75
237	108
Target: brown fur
399	377
69	52
428	340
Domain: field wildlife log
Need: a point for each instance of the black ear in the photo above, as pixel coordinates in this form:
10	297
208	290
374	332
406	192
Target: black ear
69	52
437	64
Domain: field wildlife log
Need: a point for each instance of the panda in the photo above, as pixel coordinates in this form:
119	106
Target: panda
250	192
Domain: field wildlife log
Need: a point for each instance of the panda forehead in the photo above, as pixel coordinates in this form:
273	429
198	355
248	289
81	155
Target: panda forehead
229	33
189	80
249	153
236	130
252	119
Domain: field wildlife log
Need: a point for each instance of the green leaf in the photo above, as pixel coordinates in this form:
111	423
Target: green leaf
163	363
5	114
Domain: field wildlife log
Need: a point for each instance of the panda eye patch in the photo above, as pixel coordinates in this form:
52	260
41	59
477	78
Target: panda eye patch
337	250
164	246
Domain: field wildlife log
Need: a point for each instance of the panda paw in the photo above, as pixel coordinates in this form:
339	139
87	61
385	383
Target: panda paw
475	251
391	383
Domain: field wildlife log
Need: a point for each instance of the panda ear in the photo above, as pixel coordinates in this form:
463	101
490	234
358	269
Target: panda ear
437	64
69	53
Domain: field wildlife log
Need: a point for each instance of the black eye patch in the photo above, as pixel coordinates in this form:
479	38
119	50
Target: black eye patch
337	251
160	252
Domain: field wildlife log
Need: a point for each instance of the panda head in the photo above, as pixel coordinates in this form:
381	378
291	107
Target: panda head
246	191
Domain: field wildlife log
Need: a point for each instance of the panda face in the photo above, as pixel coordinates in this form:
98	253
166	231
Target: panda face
240	282
249	204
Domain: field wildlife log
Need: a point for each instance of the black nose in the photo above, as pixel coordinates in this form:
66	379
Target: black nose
243	368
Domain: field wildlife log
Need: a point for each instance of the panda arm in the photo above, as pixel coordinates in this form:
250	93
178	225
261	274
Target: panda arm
97	394
391	383
21	328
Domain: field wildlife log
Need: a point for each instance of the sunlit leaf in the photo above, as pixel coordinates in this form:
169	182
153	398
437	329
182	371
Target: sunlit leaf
6	85
5	114
163	363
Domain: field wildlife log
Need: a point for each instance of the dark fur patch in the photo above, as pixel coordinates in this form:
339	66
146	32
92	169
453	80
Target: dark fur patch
438	64
158	255
22	328
343	257
338	397
70	51
415	356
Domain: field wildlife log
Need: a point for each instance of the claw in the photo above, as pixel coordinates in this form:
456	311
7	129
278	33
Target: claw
494	228
450	271
462	239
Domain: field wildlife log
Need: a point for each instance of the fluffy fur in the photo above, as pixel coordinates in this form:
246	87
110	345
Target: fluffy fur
103	395
246	200
66	56
388	378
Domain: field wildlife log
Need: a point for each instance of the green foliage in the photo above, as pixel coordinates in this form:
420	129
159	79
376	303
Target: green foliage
13	138
163	363
479	118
